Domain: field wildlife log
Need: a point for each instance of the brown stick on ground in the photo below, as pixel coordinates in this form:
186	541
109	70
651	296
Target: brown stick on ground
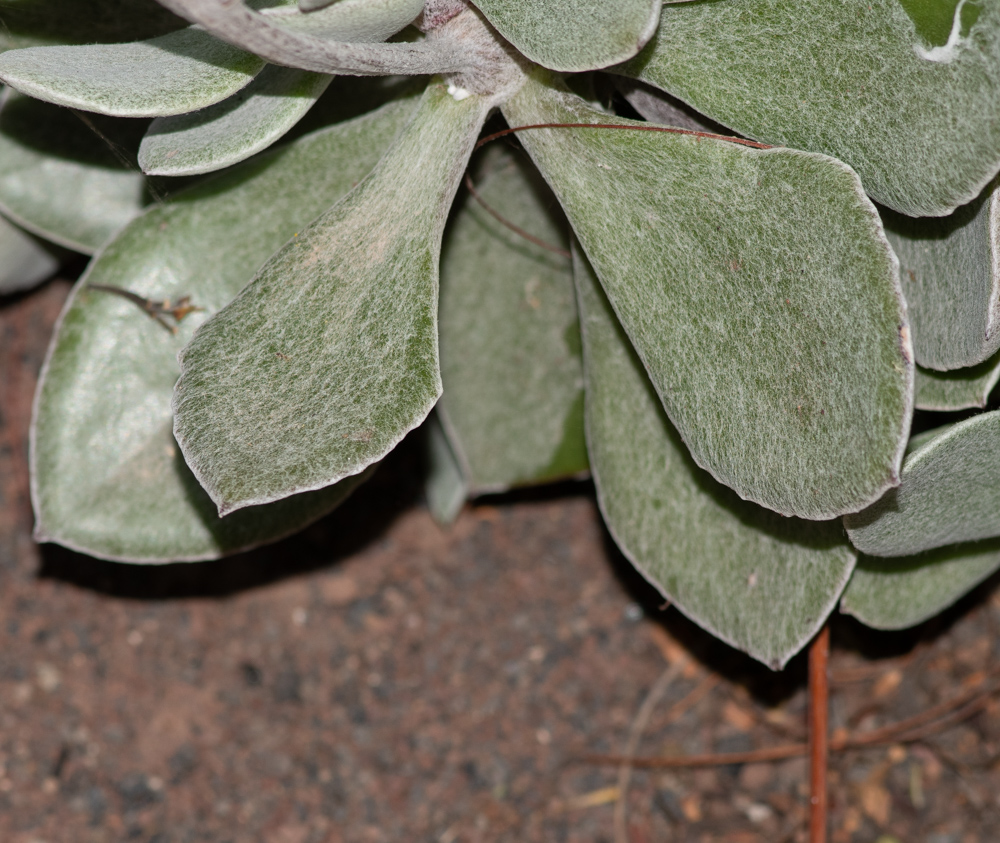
934	719
819	733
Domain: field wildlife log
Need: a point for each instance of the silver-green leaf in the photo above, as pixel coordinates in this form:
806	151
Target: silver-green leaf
949	493
445	484
897	593
759	291
60	179
763	583
170	74
108	478
510	350
324	362
574	35
237	24
24	260
959	389
919	122
950	269
353	21
234	129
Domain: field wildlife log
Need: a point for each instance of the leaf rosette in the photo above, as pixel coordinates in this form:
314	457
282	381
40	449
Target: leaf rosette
758	270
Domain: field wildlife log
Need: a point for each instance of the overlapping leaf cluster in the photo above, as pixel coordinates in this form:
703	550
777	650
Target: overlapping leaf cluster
731	335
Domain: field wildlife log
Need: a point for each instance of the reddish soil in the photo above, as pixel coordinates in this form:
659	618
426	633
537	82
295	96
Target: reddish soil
377	678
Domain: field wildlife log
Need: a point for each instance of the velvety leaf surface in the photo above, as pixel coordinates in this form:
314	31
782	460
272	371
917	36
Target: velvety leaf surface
510	346
950	269
108	477
34	23
959	389
760	582
258	33
234	129
897	593
759	292
445	486
323	363
856	81
170	74
574	35
24	260
355	21
60	180
948	494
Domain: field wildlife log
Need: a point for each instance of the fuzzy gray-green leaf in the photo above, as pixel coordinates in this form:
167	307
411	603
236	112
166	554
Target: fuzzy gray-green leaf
950	270
759	291
353	21
24	260
445	485
170	74
948	494
510	356
897	593
107	475
60	180
234	129
761	582
324	362
854	80
574	35
959	389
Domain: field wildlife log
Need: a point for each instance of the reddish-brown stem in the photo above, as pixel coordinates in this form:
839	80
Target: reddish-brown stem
819	733
630	127
910	730
504	221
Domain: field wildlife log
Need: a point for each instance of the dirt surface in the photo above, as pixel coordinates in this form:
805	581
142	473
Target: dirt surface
377	678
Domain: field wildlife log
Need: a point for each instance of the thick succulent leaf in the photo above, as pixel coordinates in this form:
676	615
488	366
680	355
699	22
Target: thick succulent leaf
35	23
510	348
170	74
761	582
24	260
948	494
759	291
897	593
108	478
262	35
61	180
950	269
574	35
960	389
445	486
856	81
234	129
353	21
324	362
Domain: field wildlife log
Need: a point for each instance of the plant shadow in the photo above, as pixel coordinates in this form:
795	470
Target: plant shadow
356	524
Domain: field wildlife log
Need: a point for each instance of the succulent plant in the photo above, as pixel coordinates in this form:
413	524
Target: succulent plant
740	242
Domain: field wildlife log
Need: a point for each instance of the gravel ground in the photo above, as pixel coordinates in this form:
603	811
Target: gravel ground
377	678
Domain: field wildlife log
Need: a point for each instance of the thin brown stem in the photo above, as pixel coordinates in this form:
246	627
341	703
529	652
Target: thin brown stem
912	729
158	310
504	221
819	733
631	127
